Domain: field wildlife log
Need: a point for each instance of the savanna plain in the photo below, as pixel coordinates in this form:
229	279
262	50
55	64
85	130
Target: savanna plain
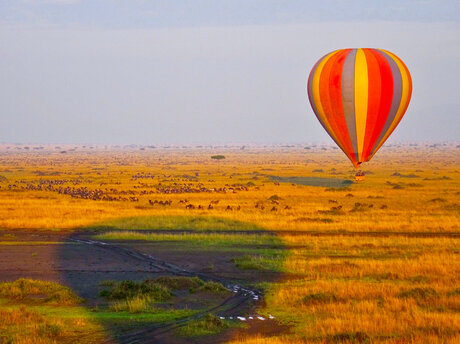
230	244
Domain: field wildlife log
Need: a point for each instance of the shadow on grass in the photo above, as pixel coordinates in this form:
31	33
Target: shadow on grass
211	248
171	222
314	181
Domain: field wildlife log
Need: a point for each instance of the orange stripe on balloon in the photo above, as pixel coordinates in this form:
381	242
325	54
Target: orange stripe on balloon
334	121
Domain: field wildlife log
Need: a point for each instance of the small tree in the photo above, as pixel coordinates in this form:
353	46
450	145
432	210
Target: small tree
218	157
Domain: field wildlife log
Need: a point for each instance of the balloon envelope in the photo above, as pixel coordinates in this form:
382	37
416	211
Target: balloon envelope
359	96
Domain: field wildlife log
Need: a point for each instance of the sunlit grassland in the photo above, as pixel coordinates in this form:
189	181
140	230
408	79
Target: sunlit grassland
373	274
423	197
393	289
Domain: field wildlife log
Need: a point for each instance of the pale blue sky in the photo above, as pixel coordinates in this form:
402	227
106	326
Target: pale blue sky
209	71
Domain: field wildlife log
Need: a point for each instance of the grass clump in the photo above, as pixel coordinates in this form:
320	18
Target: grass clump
50	330
137	304
39	291
214	287
130	289
209	324
319	298
248	262
352	337
419	294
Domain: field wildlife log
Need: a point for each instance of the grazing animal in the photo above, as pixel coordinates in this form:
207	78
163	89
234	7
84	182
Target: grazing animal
273	209
332	201
210	207
287	207
228	208
238	208
189	206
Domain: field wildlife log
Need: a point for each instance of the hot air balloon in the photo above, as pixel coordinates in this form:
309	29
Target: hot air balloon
359	96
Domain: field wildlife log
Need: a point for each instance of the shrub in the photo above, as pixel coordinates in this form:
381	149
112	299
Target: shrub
24	288
214	287
218	157
209	324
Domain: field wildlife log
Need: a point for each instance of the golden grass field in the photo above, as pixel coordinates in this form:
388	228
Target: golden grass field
378	260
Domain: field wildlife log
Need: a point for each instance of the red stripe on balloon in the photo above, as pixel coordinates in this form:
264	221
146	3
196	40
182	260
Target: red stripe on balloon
386	98
373	99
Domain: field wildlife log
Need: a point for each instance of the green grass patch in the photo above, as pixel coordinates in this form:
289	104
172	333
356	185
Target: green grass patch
197	239
260	262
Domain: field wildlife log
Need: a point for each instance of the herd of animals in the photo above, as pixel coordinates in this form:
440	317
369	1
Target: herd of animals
189	185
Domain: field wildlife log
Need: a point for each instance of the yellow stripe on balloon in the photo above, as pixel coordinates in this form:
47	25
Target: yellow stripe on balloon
361	95
405	97
317	97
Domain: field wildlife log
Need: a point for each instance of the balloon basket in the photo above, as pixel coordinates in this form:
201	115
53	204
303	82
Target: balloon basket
359	176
